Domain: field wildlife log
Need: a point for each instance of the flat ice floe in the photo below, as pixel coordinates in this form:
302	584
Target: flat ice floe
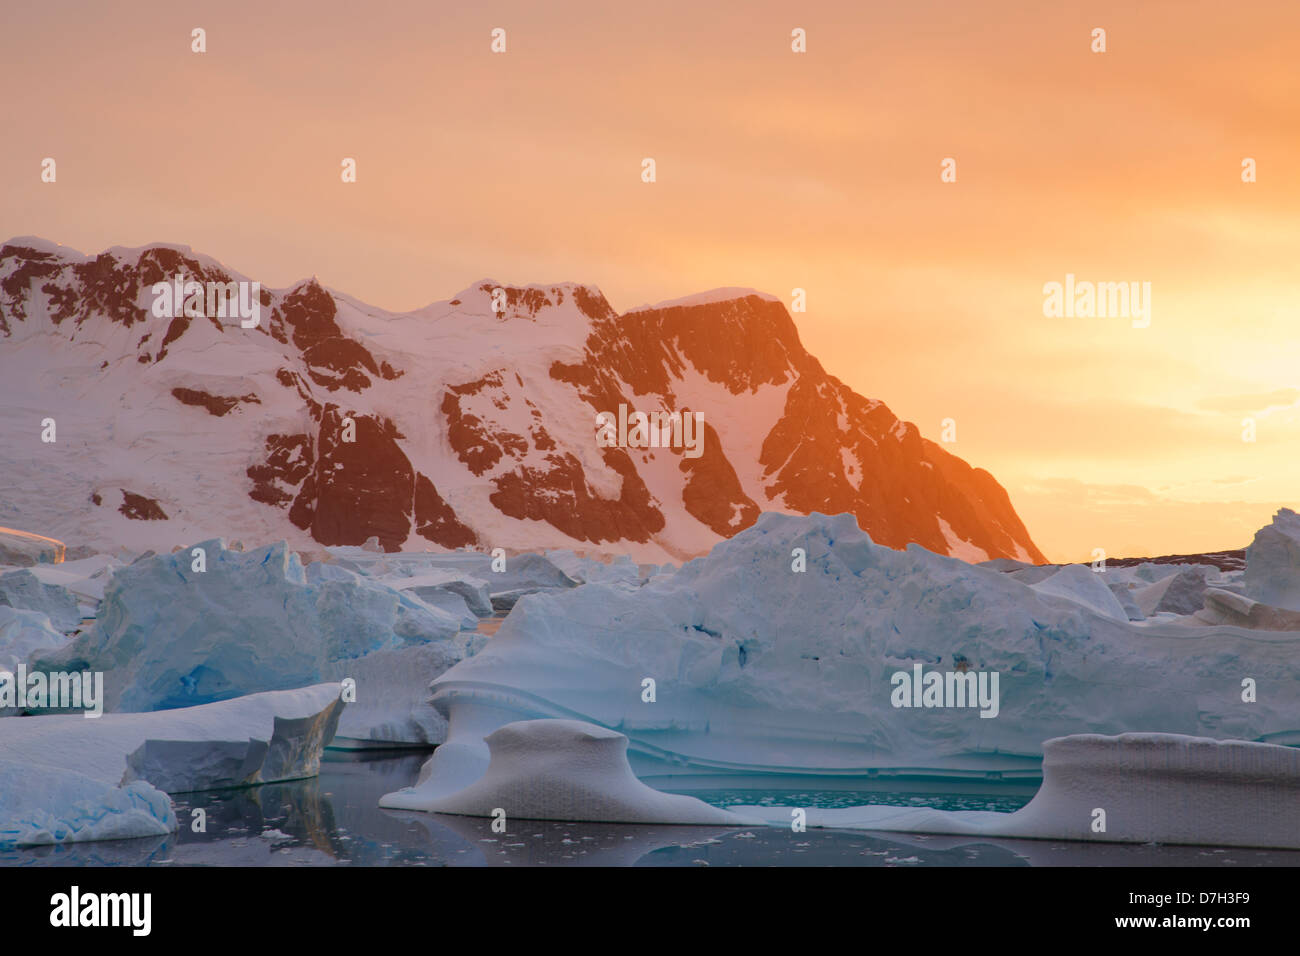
563	770
1132	788
24	549
84	578
68	778
278	735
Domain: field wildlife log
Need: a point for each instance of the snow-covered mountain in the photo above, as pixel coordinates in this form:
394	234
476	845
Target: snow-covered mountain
473	420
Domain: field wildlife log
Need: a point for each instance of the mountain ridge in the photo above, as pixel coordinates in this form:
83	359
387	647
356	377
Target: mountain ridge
474	424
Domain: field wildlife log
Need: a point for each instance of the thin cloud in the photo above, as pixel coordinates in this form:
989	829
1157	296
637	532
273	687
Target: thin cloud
1259	403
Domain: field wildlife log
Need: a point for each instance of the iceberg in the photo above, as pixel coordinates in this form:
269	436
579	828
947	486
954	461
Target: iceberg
24	633
1080	584
392	706
1228	607
84	578
619	569
24	549
563	770
1273	563
1180	593
63	806
24	590
524	573
1124	594
449	602
446	589
170	635
1130	788
741	665
260	738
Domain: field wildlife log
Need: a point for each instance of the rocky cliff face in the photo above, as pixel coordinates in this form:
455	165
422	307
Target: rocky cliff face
471	422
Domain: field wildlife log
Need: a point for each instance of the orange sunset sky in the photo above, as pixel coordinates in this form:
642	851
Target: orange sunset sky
775	170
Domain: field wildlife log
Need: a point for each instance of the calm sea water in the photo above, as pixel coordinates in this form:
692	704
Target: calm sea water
335	820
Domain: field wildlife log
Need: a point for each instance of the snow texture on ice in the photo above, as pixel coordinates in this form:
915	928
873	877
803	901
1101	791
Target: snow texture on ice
563	770
169	636
392	698
762	670
1273	563
23	633
23	549
55	805
1154	788
85	578
1082	585
1181	593
255	739
25	590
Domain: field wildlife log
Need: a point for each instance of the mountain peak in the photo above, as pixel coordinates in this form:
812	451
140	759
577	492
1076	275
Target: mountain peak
38	244
709	297
473	426
505	302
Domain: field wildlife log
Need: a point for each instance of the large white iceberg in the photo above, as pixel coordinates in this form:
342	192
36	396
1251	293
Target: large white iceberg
563	770
759	668
1130	788
169	635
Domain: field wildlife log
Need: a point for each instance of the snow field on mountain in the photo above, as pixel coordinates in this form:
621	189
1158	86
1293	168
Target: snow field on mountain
138	401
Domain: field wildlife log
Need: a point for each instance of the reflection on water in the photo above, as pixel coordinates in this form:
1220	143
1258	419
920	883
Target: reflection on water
840	799
335	819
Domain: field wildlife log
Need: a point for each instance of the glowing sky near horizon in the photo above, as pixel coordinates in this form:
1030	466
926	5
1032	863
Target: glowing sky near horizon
775	170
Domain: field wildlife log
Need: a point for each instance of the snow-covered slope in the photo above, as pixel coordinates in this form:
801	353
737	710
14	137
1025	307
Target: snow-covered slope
473	420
